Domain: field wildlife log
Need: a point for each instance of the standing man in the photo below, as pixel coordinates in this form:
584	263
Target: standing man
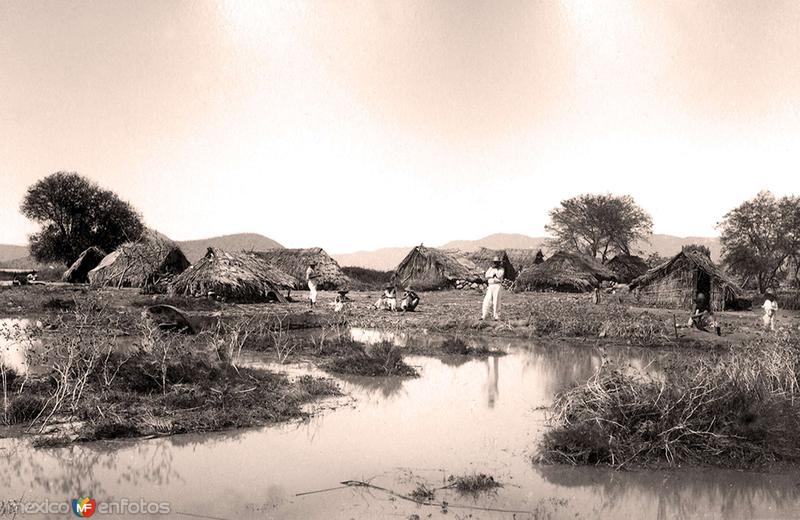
311	279
494	277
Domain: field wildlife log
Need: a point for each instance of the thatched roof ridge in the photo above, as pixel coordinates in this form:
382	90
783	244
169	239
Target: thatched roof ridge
431	268
295	262
565	271
240	276
78	272
142	263
698	259
628	267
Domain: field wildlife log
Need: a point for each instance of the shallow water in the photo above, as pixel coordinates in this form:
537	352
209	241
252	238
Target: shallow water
461	416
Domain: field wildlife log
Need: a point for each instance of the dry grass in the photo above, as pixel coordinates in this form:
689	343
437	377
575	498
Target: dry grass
473	484
739	408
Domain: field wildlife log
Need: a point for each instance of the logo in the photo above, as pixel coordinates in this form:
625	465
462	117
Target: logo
84	507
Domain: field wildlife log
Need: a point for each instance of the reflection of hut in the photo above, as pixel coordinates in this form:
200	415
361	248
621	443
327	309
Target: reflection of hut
145	262
243	277
78	272
565	272
295	262
627	267
675	283
426	268
482	258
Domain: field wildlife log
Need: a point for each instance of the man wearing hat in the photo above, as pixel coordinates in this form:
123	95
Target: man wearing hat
311	278
494	277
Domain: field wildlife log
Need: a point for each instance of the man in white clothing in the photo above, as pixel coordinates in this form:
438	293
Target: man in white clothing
494	277
311	278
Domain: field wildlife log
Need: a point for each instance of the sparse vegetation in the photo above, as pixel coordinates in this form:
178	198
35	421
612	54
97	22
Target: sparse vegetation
473	484
351	357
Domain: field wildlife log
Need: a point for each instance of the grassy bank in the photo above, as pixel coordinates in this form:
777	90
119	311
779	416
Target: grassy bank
739	408
91	379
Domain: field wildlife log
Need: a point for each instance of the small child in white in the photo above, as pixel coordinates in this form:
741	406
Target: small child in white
770	310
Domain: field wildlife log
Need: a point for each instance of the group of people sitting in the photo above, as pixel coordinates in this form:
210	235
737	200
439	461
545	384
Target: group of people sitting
388	300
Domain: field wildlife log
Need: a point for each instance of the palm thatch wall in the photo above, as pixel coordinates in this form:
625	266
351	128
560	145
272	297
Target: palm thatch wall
627	267
295	262
78	272
675	283
147	262
427	269
564	272
482	258
241	277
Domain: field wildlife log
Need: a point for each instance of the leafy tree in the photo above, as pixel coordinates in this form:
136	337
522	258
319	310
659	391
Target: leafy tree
760	237
599	225
74	214
698	248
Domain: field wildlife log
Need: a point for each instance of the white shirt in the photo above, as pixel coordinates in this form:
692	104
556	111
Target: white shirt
495	275
770	306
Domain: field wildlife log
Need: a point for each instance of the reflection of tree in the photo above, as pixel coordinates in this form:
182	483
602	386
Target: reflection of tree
87	468
373	386
683	493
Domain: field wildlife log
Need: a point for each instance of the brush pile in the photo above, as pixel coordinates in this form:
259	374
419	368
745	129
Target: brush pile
735	409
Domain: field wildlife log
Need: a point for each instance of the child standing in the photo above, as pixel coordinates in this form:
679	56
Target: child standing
770	310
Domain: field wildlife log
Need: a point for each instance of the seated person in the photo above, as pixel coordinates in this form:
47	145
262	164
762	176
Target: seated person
702	316
410	300
388	300
341	299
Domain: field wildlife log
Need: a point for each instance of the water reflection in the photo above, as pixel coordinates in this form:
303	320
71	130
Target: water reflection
455	418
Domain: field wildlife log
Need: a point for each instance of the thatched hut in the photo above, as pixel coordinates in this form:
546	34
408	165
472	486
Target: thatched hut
522	259
242	277
294	262
627	267
78	272
565	272
482	258
426	269
146	262
675	283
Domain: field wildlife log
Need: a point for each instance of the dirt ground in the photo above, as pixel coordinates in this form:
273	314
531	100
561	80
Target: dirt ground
453	312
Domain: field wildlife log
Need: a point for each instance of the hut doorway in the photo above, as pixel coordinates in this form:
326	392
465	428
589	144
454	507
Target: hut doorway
703	284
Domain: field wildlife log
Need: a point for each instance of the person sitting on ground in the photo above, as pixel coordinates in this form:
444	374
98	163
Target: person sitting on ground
388	300
341	299
702	316
770	311
410	300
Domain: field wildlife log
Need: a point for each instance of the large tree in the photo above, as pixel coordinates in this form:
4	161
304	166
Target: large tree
598	225
74	214
760	237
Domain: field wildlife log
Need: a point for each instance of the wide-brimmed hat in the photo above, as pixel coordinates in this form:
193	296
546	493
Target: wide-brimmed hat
312	262
496	259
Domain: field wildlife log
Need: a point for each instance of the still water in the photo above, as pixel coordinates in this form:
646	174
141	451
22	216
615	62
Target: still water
461	416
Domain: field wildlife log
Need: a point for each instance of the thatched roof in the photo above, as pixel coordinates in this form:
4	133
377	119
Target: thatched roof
78	272
695	258
565	272
427	268
240	276
295	262
627	267
482	258
142	263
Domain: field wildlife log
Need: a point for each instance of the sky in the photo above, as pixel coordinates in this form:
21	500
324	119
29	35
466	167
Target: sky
354	124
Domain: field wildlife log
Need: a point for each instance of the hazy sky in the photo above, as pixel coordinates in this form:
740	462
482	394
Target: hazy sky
356	124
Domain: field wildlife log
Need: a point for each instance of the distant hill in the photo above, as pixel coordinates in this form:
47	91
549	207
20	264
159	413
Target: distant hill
381	259
388	258
196	249
8	252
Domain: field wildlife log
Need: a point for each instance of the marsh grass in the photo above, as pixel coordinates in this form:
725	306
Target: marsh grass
739	408
346	356
473	484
